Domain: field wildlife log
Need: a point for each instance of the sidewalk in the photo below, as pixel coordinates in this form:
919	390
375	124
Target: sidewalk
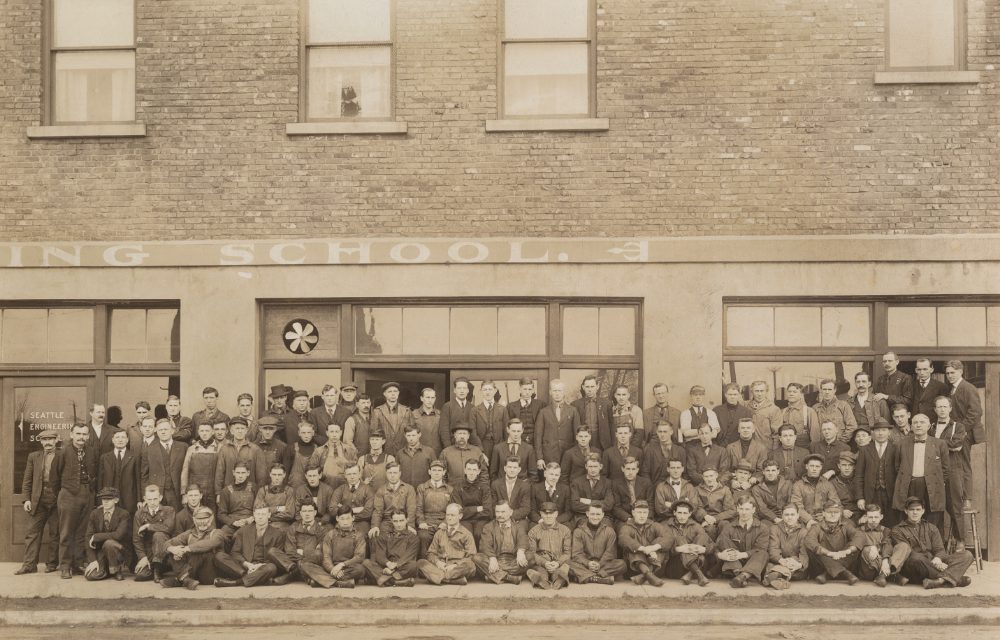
45	599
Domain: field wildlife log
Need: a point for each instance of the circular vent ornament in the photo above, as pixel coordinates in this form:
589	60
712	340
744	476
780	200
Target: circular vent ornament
300	336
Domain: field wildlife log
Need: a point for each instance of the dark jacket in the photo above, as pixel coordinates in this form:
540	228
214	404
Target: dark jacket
519	499
65	471
553	436
560	497
245	547
937	471
155	466
123	476
869	467
602	434
923	398
34	476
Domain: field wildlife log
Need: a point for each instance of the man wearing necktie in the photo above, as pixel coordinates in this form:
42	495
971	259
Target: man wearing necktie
106	536
449	557
503	550
924	470
489	419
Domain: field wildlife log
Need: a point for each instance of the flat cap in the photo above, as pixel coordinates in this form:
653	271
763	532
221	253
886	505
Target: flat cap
640	504
349	385
696	389
107	492
847	456
548	507
814	456
48	434
744	465
300	393
437	463
388	385
202	512
269	422
912	500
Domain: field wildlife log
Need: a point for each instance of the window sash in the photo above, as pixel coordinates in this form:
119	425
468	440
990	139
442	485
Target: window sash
958	62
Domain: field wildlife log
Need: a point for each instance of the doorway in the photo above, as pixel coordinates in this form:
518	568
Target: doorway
30	406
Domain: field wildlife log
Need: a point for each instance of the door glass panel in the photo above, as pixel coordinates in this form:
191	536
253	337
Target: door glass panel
37	409
779	374
607	380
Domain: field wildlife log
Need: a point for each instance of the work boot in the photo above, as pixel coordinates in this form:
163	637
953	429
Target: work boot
780	583
190	584
344	584
405	582
51	568
851	578
226	582
601	580
512	579
281	580
739	582
821	578
700	577
880	580
65	573
654	580
936	583
638	579
25	569
964	581
902	580
170	582
382	580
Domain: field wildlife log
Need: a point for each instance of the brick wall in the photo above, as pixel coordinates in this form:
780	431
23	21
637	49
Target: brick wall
727	117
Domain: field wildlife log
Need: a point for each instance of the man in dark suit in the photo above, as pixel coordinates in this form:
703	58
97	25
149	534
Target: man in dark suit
924	471
514	491
613	458
489	419
595	412
925	389
38	485
556	426
526	409
875	473
99	431
119	468
250	564
658	452
629	489
299	413
952	433
514	447
967	410
142	436
590	489
790	458
107	536
458	410
162	463
895	387
704	454
551	489
75	476
331	412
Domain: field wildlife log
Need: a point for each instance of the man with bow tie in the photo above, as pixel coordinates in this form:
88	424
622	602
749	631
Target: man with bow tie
924	471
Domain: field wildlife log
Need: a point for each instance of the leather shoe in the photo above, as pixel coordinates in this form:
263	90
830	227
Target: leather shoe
739	582
880	581
25	569
851	578
65	573
344	584
964	581
902	580
936	583
190	584
512	579
226	582
652	579
821	578
602	580
51	568
281	580
119	576
405	582
170	582
638	579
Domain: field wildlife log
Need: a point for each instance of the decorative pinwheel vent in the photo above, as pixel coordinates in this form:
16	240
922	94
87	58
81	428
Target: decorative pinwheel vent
301	336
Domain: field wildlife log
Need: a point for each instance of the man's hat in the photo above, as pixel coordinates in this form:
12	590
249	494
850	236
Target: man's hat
239	420
461	425
377	433
863	427
829	505
437	463
300	393
107	492
278	391
847	456
744	465
389	385
202	512
48	434
640	504
548	507
881	423
349	385
814	456
911	501
269	422
683	503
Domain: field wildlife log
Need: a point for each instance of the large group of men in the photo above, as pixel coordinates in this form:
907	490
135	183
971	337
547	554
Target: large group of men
342	494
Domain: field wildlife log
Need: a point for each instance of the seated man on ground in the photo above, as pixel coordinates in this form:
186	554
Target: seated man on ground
786	550
550	545
834	546
106	537
192	552
449	557
594	555
691	547
646	545
393	561
503	548
742	545
927	560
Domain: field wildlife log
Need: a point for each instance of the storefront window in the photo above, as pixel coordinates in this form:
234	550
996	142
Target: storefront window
125	391
798	326
599	331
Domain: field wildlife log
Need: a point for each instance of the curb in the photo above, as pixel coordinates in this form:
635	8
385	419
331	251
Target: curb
451	617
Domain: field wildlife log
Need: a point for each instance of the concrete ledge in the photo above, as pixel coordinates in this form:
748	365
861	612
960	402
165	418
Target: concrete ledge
926	77
548	124
344	128
620	617
131	130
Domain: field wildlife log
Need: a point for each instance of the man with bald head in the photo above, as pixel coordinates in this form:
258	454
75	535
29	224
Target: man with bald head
924	470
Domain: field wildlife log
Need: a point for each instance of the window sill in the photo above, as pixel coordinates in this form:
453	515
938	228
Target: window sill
342	128
926	77
131	130
548	124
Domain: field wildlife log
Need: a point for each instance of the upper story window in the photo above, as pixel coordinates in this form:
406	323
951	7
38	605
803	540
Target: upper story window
925	35
348	59
91	61
547	58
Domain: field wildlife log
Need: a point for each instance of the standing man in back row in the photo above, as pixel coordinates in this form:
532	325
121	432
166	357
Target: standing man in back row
526	409
895	387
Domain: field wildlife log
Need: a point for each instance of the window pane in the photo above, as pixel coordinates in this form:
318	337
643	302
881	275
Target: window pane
796	326
921	33
750	326
616	335
425	331
607	380
580	330
312	380
474	330
128	335
522	331
993	327
546	79
71	335
25	335
163	335
779	374
125	391
378	330
95	86
912	326
846	327
302	331
548	19
349	82
348	21
93	23
961	326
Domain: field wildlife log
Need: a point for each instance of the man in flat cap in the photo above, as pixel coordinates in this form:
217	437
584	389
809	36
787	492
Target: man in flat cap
834	546
299	414
928	561
433	497
344	551
192	552
550	544
391	417
106	537
450	554
696	415
503	548
239	449
394	553
843	483
349	396
272	449
38	484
